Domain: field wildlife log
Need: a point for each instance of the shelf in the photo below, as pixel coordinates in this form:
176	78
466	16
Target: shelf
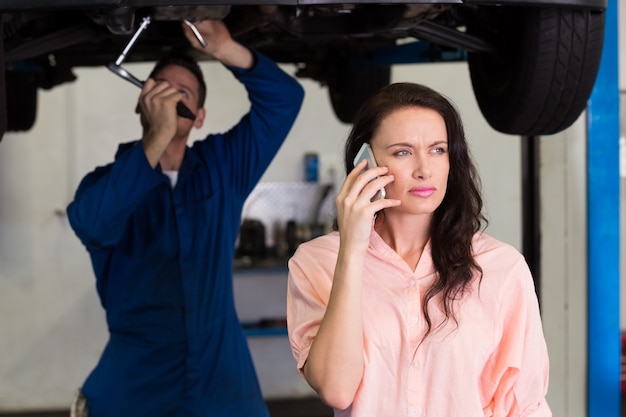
260	332
267	264
265	327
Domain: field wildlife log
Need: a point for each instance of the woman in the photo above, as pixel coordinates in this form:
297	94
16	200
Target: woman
409	309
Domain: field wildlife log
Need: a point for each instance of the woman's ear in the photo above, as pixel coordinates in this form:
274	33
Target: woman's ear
200	115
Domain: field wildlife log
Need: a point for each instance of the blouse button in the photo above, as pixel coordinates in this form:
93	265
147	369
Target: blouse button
412	283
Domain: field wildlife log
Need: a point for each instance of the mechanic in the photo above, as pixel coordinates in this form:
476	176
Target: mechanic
160	225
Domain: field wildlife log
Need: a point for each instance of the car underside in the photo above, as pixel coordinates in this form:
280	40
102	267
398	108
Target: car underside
532	66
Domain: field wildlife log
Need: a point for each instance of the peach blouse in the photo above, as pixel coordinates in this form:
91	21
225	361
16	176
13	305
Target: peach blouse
493	363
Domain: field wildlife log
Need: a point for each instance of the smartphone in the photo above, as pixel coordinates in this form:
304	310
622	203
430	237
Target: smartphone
366	153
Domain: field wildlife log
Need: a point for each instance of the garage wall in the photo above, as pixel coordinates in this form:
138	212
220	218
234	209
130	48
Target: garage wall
563	267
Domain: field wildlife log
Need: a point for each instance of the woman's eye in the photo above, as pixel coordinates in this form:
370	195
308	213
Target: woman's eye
439	150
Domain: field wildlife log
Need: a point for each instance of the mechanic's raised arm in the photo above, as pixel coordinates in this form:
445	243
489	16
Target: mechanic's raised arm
247	149
220	44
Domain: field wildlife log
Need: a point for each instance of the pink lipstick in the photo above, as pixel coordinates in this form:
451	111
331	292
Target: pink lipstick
423	191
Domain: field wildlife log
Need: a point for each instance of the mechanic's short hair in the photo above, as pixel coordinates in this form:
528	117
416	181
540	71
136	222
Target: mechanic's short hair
186	61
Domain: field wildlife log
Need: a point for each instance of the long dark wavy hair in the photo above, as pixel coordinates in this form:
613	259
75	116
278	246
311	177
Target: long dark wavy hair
459	216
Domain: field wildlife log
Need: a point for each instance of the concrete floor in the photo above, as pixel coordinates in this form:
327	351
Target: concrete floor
310	407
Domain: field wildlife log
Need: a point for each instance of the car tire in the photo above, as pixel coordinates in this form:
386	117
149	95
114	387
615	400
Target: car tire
545	67
349	85
21	100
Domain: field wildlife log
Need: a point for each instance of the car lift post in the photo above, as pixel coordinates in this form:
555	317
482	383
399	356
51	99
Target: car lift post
603	211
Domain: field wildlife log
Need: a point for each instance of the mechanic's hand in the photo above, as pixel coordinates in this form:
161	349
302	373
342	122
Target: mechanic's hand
219	43
157	108
214	33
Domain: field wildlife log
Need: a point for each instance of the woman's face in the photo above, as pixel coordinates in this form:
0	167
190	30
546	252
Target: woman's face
413	143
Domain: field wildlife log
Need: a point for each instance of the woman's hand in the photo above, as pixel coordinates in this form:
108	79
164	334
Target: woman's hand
355	210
